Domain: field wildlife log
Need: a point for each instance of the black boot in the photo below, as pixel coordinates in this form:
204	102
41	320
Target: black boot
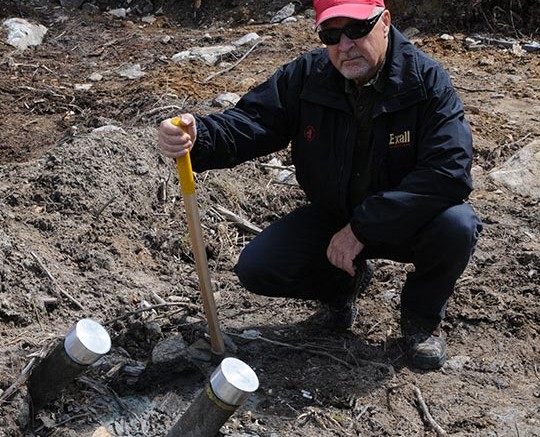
340	314
426	348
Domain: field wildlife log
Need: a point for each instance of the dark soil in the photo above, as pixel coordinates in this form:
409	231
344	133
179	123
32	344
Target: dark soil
97	214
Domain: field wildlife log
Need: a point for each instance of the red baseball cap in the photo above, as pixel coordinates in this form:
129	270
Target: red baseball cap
357	9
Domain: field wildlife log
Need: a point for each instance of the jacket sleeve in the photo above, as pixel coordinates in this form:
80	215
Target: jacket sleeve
440	179
260	123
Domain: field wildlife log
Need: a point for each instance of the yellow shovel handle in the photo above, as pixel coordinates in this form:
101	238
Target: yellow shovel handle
187	186
185	172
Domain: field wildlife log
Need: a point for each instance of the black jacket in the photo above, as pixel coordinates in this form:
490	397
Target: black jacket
423	144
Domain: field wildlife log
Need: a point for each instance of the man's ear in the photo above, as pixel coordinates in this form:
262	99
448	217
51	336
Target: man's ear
387	20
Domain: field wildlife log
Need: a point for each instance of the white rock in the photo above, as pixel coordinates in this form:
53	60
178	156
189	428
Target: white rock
83	86
457	362
446	37
95	77
285	12
388	294
521	173
149	19
133	71
181	57
22	33
251	334
118	13
247	39
107	129
286	177
410	32
209	55
212	54
518	50
225	100
485	61
289	20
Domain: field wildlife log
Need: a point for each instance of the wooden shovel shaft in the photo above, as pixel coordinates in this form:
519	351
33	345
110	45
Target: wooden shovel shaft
187	186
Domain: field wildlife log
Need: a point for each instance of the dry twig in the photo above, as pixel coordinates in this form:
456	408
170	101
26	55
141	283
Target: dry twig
321	418
429	418
300	348
60	289
13	388
304	348
237	220
473	90
150	308
209	78
105	205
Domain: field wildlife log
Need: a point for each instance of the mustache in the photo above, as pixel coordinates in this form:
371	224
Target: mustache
350	56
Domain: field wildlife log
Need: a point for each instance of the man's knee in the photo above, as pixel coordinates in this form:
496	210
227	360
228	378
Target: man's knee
457	227
248	270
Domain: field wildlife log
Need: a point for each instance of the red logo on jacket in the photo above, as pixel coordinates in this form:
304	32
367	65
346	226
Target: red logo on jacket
309	133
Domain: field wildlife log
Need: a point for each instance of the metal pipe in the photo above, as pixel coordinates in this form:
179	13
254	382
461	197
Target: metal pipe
230	385
83	345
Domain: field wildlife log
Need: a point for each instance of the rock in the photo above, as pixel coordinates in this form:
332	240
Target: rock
532	47
514	78
457	362
285	12
149	19
201	350
133	71
209	55
83	86
473	44
170	358
517	50
310	13
104	130
409	32
388	294
118	13
446	37
488	60
225	100
521	173
247	39
182	56
169	351
289	20
247	83
475	47
95	77
23	34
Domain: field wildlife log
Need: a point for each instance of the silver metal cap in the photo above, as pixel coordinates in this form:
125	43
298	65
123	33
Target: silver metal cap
233	381
86	342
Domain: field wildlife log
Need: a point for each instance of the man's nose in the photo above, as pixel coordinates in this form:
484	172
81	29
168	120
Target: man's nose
345	43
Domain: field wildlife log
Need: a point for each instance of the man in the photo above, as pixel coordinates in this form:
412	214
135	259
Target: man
383	152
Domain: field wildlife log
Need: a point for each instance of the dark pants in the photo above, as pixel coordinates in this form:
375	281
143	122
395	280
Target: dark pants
288	259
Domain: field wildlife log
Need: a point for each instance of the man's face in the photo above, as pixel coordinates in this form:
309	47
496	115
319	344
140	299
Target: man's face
359	59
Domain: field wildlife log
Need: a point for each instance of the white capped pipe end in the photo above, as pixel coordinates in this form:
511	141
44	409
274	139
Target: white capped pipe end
86	342
233	381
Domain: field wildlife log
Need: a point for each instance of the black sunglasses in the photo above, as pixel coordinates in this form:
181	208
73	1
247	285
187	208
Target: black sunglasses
356	29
